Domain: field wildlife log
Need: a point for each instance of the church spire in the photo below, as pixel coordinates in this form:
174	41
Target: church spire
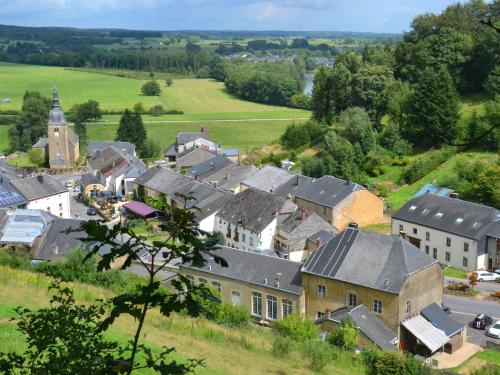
55	98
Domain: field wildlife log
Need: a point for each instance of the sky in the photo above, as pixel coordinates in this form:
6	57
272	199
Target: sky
392	16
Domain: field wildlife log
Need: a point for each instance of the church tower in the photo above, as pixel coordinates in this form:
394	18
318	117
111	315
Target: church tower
64	147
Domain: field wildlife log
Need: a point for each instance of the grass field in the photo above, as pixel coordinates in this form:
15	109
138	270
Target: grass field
455	272
225	351
4	140
193	96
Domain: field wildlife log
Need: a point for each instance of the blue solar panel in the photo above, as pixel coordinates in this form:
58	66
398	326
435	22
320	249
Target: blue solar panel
9	198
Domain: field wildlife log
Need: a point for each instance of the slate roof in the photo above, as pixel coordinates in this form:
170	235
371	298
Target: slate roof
9	195
299	228
322	235
37	187
268	178
112	161
367	322
290	187
185	137
9	170
170	150
494	229
41	143
88	179
439	319
55	237
126	147
194	156
72	137
230	177
386	261
209	167
327	191
254	209
256	269
450	215
207	198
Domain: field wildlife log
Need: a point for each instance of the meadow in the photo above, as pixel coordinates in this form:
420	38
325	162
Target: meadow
4	140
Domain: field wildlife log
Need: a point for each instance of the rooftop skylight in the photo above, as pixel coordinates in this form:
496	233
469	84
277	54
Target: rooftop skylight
413	208
439	215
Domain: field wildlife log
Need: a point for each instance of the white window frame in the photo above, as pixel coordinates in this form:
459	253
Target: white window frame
272	307
287	307
321	291
257	304
377	306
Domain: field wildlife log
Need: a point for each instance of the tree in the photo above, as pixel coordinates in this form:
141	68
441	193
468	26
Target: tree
358	128
151	88
151	149
81	131
126	127
192	48
36	157
85	112
341	87
138	107
169	81
140	133
345	336
433	113
322	100
492	84
473	279
156	110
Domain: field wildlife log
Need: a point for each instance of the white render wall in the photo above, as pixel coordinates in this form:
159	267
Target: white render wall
208	223
248	240
477	258
57	204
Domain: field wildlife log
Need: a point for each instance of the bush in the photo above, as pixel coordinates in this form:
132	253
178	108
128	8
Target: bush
302	101
318	354
156	110
281	346
345	336
297	135
151	88
296	327
461	287
393	363
233	316
488	369
169	81
424	164
14	259
36	156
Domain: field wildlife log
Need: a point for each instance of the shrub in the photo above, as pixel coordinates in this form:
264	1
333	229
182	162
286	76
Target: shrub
461	287
14	259
318	354
345	336
281	346
488	369
296	327
156	110
424	164
169	81
302	101
393	363
233	316
36	157
151	88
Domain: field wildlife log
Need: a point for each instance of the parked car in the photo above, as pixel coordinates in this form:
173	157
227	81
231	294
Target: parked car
481	321
91	211
487	276
494	330
69	183
77	188
497	271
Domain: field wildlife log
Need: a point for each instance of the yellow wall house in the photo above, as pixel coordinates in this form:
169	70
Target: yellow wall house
387	274
269	287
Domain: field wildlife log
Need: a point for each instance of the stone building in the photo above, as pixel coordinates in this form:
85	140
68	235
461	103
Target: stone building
64	146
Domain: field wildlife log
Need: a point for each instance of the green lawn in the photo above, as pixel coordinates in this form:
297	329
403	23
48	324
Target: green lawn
455	272
22	161
196	97
243	135
4	140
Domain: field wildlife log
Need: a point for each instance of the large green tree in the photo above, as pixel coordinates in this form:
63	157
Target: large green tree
433	113
322	101
131	129
357	127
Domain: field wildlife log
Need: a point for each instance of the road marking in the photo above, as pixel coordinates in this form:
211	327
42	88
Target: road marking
207	121
469	314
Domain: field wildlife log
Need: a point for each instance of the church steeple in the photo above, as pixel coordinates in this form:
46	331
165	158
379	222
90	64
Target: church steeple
55	98
56	114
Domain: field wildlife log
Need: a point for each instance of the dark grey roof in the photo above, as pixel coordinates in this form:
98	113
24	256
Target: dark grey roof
256	269
113	161
368	323
209	167
369	259
126	147
322	235
253	209
88	179
37	187
290	187
207	198
56	238
268	178
194	156
56	114
494	229
41	143
230	177
450	215
327	191
10	196
185	137
9	170
439	319
171	150
303	228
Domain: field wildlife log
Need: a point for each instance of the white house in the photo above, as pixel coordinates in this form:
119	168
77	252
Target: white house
44	192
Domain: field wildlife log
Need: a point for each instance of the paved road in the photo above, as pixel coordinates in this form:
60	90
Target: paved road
471	307
485	286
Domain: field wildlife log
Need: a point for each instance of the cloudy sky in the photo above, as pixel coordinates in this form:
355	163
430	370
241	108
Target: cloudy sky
346	15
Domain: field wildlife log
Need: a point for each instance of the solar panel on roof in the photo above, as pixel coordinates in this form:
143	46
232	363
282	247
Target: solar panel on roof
9	197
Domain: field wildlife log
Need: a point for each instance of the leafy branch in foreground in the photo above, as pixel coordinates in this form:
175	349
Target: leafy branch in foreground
184	242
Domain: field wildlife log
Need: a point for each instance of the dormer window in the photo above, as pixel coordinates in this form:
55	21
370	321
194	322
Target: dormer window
439	215
412	208
425	211
476	225
459	220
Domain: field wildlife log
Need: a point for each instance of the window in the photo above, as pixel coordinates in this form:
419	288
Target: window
228	233
414	230
439	215
56	130
48	209
408	307
412	208
324	210
434	253
448	241
321	291
427	236
401	228
256	304
60	206
448	256
465	262
427	249
216	286
466	246
351	299
202	281
287	307
319	314
377	306
190	280
243	237
236	235
236	298
251	240
272	307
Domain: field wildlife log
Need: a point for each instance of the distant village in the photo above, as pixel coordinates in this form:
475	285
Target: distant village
293	244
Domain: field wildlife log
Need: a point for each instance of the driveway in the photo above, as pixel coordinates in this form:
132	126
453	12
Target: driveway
485	286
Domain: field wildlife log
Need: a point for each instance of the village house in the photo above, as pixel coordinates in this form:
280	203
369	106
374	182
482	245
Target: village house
44	192
115	169
337	201
91	186
290	238
10	197
268	287
249	219
455	232
267	178
176	187
96	146
387	274
208	167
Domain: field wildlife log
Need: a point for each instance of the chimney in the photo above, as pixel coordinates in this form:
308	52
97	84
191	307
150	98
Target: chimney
40	178
297	180
276	211
353	225
454	195
289	197
265	281
348	182
227	176
302	214
402	234
319	243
